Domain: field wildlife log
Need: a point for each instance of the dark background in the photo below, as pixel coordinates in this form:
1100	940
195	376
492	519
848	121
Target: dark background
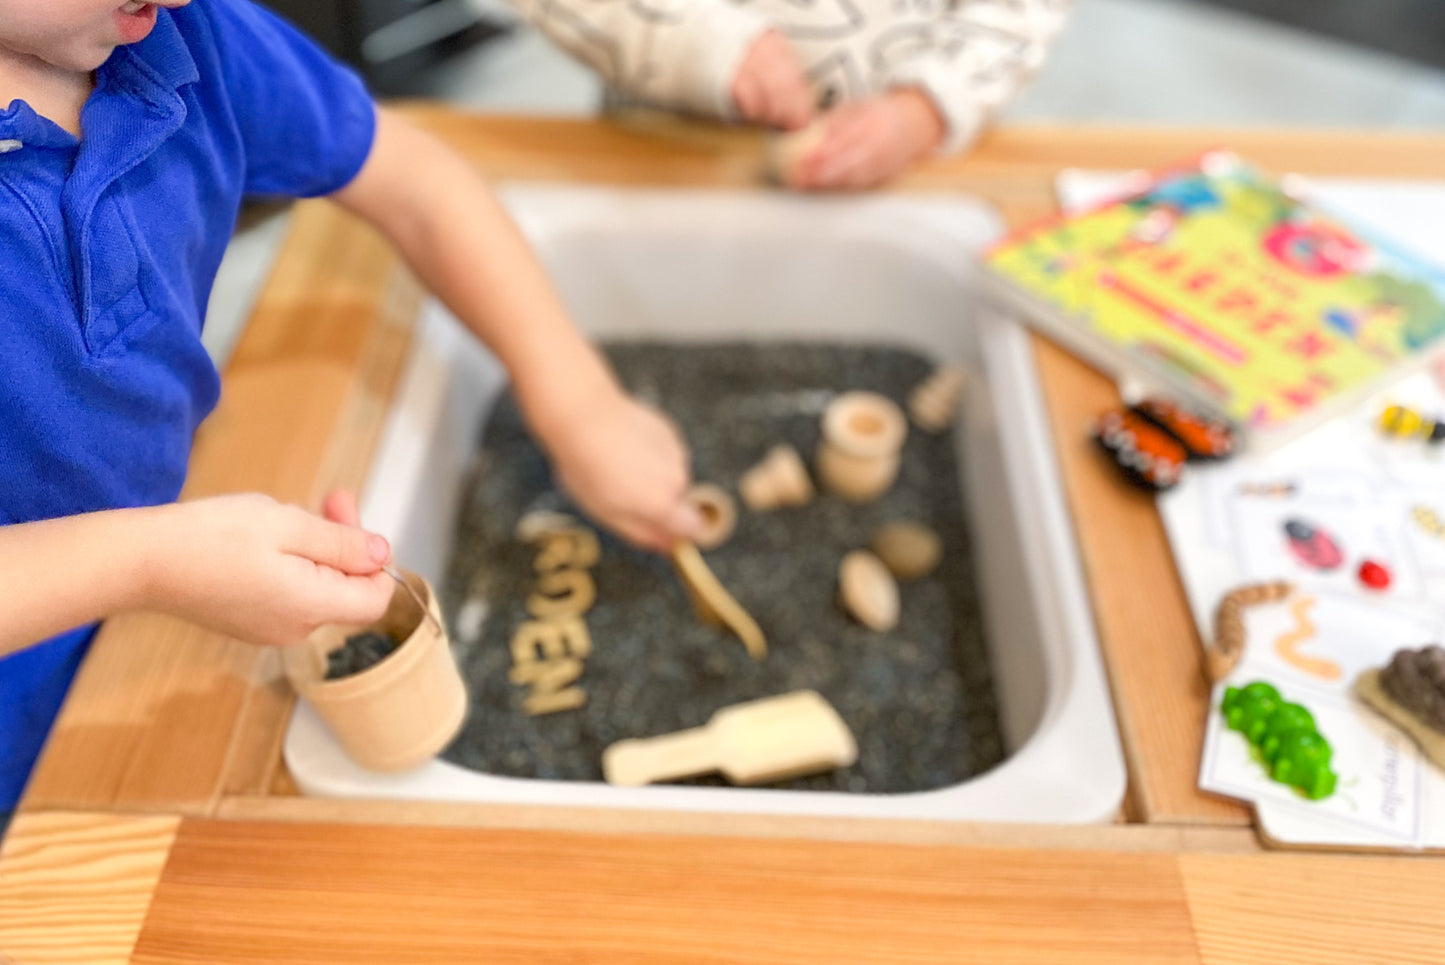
1413	29
342	27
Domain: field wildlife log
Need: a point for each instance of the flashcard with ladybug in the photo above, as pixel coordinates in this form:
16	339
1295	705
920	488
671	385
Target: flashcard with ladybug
1321	543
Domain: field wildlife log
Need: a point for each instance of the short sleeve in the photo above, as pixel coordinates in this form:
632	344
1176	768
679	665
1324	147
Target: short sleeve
307	123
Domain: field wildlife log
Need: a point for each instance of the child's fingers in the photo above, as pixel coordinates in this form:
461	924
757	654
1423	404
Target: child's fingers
684	522
745	96
642	533
657	522
792	99
849	169
340	507
344	548
796	111
845	128
335	597
827	165
763	111
867	171
656	525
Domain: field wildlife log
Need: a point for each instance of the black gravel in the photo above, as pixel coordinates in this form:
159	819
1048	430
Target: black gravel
361	651
919	699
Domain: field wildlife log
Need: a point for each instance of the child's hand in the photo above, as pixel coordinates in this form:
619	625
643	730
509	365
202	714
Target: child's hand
627	466
870	142
263	572
770	87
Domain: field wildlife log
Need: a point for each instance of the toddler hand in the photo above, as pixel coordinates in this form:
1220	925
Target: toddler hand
870	142
770	87
266	573
627	466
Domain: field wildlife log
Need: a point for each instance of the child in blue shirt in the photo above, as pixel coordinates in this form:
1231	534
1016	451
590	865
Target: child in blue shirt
133	130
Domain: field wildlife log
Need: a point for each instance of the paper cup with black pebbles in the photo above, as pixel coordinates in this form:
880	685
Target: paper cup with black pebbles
389	692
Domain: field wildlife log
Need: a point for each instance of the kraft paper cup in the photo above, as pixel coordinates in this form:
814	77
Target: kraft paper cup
400	712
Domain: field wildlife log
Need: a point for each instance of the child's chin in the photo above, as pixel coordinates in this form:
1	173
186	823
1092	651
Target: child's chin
84	58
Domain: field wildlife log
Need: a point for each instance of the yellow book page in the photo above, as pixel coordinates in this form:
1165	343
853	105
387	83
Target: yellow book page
1257	301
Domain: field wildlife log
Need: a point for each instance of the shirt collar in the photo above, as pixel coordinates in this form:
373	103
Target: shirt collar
162	58
19	123
157	65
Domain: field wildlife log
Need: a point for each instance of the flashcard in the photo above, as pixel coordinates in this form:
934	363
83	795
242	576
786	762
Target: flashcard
1321	543
1324	640
1420	512
1380	770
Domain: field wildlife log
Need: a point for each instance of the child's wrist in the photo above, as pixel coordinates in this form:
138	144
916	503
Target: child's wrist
559	405
148	538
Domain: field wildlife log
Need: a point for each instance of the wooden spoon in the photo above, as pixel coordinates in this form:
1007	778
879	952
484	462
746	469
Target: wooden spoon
712	601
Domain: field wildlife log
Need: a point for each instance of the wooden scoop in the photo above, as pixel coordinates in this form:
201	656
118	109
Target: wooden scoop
712	601
753	743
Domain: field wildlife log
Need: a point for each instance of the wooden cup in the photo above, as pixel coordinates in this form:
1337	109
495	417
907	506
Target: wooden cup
779	480
863	436
400	712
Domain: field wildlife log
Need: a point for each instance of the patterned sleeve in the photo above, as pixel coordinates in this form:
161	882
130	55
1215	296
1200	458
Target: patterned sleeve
674	53
975	59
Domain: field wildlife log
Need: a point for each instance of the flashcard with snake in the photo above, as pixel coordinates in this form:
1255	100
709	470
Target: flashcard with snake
1323	640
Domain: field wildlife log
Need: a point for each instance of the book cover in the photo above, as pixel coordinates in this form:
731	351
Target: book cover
1220	284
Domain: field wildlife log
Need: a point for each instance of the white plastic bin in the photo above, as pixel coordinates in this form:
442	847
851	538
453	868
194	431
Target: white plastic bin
692	265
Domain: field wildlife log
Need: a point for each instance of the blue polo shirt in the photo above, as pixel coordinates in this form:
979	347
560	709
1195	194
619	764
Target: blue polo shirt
108	249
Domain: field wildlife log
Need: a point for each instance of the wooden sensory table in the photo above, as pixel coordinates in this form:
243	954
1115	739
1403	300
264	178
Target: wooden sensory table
161	826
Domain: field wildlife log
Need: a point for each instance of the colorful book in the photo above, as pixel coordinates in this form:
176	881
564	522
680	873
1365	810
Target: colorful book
1222	287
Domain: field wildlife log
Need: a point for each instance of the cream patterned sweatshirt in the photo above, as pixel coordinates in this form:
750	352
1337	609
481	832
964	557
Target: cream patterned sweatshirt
969	56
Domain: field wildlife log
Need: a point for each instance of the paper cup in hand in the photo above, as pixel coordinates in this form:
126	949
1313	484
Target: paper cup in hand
399	712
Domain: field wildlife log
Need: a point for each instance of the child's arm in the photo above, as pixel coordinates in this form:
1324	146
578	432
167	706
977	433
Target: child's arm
940	94
244	565
711	57
625	464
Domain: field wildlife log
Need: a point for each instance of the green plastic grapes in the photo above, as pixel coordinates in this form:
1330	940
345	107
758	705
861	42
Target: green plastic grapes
1304	763
1248	709
1285	736
1288	720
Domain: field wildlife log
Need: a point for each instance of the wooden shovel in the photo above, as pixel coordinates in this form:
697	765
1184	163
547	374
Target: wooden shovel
753	743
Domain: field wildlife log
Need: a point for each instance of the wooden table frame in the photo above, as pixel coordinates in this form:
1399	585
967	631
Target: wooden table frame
167	717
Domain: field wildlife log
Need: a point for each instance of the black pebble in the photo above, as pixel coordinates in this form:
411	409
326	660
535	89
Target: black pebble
361	651
919	699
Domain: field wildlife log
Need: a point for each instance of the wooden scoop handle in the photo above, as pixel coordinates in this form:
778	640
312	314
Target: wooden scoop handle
687	753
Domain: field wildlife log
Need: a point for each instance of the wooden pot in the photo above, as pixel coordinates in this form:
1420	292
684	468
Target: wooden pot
859	455
400	712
